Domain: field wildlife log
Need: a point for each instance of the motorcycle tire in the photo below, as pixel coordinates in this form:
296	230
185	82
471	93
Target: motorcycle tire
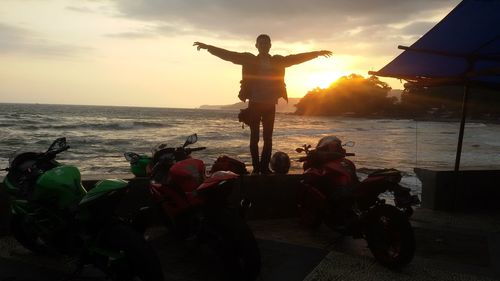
27	237
233	241
140	261
390	236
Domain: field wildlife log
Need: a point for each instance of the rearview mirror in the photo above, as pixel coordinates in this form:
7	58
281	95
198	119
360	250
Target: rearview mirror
349	144
58	144
191	139
131	157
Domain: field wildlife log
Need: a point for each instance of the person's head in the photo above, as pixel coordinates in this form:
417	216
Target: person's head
263	43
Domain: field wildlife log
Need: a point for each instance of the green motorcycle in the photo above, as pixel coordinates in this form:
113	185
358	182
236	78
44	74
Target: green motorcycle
52	213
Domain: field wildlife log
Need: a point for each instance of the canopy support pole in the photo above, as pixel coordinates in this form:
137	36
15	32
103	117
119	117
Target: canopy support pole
462	127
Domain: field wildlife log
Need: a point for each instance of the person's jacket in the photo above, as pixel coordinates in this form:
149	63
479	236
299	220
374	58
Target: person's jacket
250	70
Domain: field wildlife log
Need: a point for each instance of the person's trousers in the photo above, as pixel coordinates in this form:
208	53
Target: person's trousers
265	113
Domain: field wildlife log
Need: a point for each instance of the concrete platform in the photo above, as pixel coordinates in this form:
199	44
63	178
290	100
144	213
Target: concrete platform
449	247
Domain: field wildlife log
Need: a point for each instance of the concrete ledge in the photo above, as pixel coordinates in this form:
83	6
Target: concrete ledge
272	196
471	190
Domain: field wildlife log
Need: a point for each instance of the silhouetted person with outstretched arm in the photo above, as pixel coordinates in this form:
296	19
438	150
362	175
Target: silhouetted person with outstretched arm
263	83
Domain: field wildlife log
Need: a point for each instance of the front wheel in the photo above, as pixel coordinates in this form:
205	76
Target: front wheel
390	236
26	235
235	244
137	258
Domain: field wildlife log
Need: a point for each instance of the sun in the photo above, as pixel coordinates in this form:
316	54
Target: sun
321	79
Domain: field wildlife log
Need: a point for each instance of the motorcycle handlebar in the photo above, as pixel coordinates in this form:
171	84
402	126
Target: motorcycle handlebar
49	155
323	156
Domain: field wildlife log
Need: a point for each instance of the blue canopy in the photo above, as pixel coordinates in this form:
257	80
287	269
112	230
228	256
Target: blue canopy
462	47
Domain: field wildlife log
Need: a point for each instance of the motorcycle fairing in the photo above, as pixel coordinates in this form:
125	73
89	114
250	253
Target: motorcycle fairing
341	170
61	185
141	168
311	197
345	170
311	202
102	188
9	186
188	174
173	199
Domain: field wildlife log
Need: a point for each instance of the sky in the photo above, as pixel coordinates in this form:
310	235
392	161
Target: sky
140	52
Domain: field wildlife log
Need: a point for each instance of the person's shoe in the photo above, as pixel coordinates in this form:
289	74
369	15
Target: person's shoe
255	171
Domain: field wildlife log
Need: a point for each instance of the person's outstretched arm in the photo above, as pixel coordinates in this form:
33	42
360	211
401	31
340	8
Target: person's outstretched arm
303	57
234	57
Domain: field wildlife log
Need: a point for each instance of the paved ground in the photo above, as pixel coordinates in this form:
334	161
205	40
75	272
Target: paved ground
449	247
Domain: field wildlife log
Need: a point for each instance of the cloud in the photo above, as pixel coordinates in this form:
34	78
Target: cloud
14	39
101	7
417	28
80	9
9	35
291	20
133	35
154	31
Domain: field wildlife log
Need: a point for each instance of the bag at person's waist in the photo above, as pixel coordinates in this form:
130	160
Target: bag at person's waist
244	116
244	93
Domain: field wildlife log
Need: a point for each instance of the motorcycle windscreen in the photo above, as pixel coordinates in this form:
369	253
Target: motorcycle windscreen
188	174
344	170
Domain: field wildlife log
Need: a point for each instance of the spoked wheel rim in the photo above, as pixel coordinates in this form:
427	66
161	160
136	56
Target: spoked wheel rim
390	237
389	241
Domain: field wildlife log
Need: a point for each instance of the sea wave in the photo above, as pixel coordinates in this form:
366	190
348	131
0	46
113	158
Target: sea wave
99	136
110	126
475	125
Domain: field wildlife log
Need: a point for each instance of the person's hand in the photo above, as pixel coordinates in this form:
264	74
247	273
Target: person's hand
325	53
200	45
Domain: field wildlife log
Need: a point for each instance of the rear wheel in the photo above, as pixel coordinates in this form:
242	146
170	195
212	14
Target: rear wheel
139	259
235	244
390	236
26	235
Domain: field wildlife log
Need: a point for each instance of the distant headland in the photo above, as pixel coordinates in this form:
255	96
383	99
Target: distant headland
357	96
282	106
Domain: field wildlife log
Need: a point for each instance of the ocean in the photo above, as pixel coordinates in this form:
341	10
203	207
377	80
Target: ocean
99	135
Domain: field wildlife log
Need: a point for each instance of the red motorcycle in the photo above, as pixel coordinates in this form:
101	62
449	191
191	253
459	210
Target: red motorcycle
196	208
333	194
